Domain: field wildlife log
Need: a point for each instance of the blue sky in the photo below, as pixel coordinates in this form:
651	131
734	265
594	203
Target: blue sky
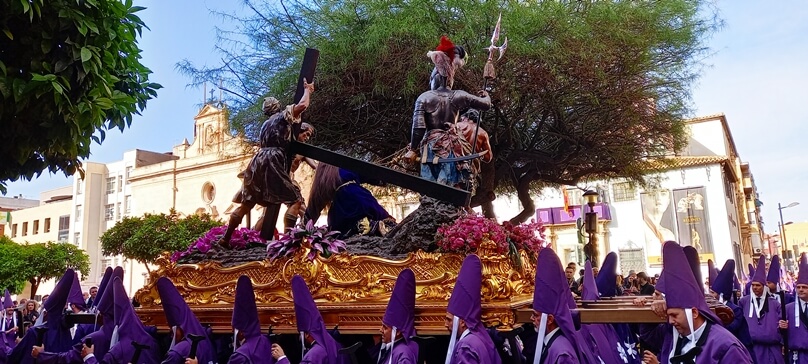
757	76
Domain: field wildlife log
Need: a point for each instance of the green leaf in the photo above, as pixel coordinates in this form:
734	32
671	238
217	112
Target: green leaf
25	6
3	68
86	54
8	33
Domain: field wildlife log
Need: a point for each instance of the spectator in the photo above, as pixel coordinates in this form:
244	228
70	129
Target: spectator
29	312
93	293
629	281
574	286
645	286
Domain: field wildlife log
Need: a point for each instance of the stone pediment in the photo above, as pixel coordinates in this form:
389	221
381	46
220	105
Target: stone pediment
207	110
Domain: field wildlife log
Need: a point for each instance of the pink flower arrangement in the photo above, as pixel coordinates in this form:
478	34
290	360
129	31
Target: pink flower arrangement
242	237
528	236
466	233
323	242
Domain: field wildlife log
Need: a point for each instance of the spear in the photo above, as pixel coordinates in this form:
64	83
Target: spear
489	73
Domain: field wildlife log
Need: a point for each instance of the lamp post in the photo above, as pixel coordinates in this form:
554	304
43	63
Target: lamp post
783	231
591	227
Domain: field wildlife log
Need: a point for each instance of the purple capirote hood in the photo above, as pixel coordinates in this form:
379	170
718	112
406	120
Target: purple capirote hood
103	285
724	281
694	261
245	312
401	308
177	311
7	302
466	299
774	270
309	320
760	271
681	288
130	328
76	297
589	291
607	276
802	278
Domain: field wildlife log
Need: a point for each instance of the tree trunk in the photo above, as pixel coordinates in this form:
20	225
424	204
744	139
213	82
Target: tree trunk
523	192
34	286
484	195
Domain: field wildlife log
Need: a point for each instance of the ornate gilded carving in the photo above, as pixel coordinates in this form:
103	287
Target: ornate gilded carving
351	290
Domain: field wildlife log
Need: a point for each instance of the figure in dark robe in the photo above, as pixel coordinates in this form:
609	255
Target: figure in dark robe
435	135
693	333
250	347
796	323
469	341
77	304
58	337
267	181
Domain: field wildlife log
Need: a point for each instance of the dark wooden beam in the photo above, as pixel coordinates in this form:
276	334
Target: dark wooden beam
372	171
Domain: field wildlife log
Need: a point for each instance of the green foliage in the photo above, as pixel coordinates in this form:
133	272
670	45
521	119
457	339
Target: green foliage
69	71
586	90
34	263
145	238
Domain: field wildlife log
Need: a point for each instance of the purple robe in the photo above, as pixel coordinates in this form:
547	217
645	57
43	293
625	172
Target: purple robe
603	342
559	350
766	346
720	347
797	338
475	348
10	338
181	350
402	353
254	350
316	355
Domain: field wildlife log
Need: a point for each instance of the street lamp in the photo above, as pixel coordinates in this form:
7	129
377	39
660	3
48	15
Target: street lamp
783	231
591	227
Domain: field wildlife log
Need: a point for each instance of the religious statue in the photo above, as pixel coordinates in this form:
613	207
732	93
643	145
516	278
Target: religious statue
267	180
435	136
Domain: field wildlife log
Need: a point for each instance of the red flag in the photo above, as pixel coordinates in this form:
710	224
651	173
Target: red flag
566	201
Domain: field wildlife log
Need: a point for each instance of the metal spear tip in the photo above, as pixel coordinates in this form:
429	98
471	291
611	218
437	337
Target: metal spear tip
495	36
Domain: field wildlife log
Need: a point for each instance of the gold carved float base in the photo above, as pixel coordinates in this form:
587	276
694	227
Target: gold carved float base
350	291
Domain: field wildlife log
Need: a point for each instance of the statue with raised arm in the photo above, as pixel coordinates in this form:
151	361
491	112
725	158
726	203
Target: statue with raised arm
267	180
444	152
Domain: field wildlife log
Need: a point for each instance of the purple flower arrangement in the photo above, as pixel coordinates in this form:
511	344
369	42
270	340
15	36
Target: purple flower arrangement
318	239
241	239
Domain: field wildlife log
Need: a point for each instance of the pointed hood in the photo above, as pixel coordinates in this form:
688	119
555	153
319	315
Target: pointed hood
760	272
551	297
106	299
102	286
130	328
722	284
309	320
589	291
177	311
466	299
245	312
400	311
76	297
681	288
774	271
58	298
607	277
802	278
7	302
803	258
712	272
694	262
751	269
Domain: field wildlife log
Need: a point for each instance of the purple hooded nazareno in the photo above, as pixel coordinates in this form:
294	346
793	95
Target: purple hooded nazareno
128	329
400	314
694	262
178	314
466	304
256	347
589	291
309	320
682	290
722	284
607	277
551	297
